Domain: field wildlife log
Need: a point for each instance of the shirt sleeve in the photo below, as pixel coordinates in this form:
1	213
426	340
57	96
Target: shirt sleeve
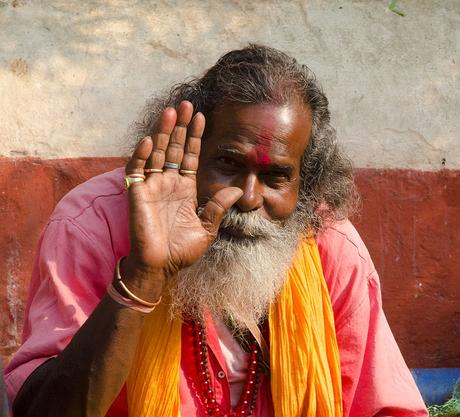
71	274
376	381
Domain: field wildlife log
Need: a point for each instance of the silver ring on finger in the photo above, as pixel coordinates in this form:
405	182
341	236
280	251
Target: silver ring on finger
171	165
187	171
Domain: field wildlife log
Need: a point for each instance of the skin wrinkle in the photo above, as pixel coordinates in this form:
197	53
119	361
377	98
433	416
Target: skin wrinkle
261	154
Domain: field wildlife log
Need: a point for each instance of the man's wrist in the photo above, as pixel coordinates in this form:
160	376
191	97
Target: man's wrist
145	282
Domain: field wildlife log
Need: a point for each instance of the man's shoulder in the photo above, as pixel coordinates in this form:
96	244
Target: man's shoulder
342	238
347	266
90	224
104	192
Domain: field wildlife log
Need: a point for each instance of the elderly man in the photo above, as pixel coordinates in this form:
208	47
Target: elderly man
224	279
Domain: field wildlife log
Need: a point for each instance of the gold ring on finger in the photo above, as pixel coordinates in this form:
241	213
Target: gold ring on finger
130	180
153	170
187	171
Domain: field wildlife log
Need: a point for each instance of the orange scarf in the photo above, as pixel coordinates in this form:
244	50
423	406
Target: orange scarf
304	357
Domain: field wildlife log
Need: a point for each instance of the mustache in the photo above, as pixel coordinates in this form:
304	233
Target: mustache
249	224
242	271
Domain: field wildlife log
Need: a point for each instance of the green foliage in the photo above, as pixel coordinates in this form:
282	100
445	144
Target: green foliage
393	6
449	409
456	392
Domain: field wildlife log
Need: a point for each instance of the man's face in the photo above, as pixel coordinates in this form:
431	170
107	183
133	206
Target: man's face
257	148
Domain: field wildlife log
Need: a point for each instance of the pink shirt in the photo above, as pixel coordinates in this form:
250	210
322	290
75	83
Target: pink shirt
88	232
236	361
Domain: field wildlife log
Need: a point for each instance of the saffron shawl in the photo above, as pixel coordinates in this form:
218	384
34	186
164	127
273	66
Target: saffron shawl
304	357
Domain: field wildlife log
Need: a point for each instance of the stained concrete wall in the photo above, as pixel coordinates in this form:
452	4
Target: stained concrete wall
73	73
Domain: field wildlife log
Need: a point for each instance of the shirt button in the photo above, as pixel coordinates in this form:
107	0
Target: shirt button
221	374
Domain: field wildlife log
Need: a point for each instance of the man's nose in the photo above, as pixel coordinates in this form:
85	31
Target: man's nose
252	198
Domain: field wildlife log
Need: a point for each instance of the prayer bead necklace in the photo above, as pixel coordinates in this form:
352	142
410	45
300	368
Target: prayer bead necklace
204	390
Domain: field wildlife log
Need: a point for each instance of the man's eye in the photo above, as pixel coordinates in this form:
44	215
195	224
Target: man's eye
278	176
223	160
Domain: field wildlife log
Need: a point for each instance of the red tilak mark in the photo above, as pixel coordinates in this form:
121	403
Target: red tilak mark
260	155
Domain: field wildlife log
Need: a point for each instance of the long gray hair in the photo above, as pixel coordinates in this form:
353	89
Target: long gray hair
258	74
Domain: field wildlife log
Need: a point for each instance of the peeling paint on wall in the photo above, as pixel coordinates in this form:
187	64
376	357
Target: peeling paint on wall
12	294
19	67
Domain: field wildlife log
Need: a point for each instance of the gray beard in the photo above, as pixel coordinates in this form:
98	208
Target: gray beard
242	272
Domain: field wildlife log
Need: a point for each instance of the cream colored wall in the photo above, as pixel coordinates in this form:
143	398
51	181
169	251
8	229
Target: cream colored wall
73	74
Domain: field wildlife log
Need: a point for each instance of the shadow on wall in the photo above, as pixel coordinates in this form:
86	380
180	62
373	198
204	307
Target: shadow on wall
3	400
73	70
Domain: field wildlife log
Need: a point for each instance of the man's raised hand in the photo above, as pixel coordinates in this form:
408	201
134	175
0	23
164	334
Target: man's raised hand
166	234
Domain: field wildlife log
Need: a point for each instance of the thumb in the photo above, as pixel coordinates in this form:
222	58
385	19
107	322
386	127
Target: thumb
217	206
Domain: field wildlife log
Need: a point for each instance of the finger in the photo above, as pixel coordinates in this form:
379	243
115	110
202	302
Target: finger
139	157
160	138
175	149
217	206
193	144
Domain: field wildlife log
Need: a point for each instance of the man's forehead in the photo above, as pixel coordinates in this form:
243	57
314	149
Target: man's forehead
269	113
241	146
282	129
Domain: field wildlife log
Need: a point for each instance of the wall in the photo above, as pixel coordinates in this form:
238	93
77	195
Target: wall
73	75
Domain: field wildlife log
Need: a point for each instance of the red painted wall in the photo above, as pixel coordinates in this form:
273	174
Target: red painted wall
410	222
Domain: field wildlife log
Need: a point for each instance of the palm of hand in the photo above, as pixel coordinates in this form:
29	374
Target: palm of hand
170	235
165	231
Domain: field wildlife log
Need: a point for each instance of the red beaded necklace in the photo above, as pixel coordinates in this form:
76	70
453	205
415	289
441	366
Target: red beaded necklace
204	390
